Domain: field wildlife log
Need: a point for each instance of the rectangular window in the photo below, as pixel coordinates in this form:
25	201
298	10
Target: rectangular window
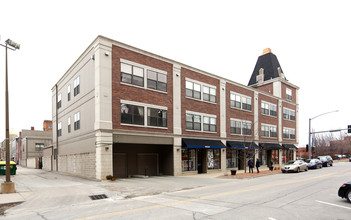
156	117
192	90
69	124
247	128
188	159
231	156
273	131
285	133
268	109
209	94
76	84
288	94
292	133
289	114
39	147
272	110
77	121
214	158
59	129
210	124
59	102
235	101
193	122
235	127
69	92
264	130
265	108
156	80
132	114
132	74
246	103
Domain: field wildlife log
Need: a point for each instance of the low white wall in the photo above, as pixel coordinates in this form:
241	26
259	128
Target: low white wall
31	162
83	165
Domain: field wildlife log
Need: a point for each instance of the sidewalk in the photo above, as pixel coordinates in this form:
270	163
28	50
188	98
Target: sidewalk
34	186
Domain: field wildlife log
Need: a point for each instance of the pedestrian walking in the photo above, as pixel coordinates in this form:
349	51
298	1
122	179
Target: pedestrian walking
258	164
251	165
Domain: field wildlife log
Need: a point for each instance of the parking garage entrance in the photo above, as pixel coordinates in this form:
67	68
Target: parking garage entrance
131	159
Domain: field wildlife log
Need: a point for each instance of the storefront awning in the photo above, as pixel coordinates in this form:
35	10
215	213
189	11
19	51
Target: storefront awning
201	143
242	145
289	146
271	146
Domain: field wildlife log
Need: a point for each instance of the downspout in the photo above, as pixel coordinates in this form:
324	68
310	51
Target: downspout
56	128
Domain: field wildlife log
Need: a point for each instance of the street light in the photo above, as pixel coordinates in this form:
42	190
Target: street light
309	131
8	186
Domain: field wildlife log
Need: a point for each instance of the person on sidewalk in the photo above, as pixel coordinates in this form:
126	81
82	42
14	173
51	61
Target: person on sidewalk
251	165
258	164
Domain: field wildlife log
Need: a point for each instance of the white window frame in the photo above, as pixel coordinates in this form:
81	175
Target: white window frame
69	92
202	115
270	105
77	120
69	128
290	114
242	123
201	90
270	127
76	86
291	131
241	97
288	94
59	101
59	129
145	69
145	106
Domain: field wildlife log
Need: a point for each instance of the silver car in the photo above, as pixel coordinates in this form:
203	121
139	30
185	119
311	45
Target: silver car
294	166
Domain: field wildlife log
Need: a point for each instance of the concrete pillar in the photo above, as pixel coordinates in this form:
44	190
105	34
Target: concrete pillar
256	112
280	157
177	156
177	100
223	109
104	153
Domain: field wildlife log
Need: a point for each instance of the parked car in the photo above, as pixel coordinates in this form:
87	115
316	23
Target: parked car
350	159
314	164
345	191
326	160
294	166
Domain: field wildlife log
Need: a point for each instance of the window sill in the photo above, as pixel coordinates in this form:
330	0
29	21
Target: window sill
142	87
143	126
240	109
214	103
209	132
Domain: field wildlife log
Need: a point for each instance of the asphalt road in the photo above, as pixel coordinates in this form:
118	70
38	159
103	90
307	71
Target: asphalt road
305	195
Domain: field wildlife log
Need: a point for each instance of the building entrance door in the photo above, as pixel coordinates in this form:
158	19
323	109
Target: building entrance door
200	160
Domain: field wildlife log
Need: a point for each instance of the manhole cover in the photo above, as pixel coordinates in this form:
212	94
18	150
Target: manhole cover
96	197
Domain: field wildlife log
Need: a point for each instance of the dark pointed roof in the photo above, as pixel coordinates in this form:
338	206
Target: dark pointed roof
269	62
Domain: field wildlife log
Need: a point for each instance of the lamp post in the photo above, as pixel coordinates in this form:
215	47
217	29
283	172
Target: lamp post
309	131
8	186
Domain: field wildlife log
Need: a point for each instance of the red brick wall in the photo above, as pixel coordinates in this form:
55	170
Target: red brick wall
199	106
265	119
139	94
266	88
238	113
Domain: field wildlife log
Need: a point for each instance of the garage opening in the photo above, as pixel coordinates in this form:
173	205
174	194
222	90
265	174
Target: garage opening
142	159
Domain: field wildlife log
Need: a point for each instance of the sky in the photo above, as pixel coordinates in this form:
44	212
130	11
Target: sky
311	40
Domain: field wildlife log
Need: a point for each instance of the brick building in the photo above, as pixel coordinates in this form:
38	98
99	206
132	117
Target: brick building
123	111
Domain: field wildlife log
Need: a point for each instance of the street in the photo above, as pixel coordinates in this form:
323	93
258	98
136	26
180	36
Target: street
305	195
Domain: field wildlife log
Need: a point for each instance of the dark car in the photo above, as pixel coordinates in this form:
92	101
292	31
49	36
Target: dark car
326	160
314	164
350	159
345	191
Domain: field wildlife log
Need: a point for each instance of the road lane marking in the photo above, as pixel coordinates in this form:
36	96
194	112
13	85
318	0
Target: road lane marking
270	218
206	197
333	204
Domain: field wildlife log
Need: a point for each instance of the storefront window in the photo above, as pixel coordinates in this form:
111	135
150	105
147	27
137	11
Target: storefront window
188	159
263	157
232	156
275	156
214	158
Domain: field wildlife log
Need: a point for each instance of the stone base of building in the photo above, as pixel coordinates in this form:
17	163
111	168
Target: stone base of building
83	165
7	187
